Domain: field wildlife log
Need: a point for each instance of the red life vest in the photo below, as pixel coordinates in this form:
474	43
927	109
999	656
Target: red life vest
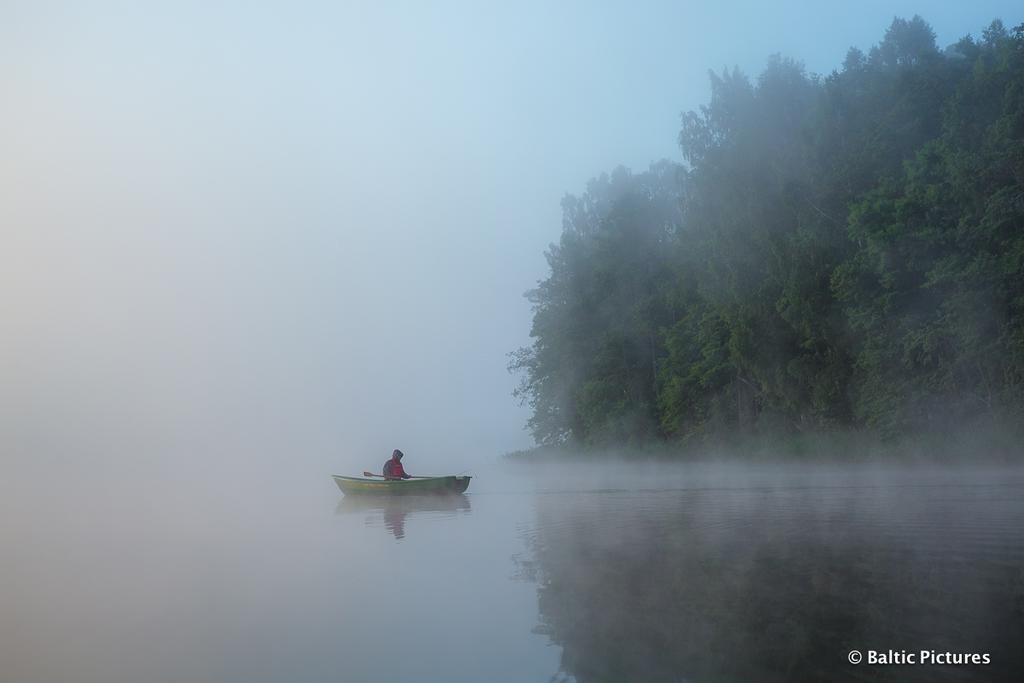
393	469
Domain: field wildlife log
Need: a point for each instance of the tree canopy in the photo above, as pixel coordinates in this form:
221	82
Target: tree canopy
838	251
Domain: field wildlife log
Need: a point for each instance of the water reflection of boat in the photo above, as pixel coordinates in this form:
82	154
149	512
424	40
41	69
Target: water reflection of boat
395	509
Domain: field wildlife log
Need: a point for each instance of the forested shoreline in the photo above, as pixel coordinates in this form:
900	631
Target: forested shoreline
833	252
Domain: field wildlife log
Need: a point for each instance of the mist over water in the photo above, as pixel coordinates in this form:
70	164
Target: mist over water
609	572
740	574
245	248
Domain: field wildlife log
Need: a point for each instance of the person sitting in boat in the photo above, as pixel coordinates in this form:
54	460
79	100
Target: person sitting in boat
393	468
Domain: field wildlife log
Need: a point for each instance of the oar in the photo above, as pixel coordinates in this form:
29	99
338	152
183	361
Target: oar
371	474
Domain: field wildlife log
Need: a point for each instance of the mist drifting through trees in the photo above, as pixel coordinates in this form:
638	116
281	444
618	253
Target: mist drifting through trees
840	251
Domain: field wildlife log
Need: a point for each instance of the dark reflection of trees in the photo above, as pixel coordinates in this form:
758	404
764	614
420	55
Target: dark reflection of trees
395	509
706	587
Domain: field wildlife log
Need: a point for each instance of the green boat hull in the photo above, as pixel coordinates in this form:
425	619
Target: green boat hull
402	487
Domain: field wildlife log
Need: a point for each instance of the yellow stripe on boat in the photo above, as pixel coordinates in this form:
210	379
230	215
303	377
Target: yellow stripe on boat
425	485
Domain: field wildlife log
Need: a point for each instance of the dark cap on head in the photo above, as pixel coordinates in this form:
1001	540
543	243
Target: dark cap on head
397	454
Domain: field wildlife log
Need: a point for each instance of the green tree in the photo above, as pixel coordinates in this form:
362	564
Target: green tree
838	251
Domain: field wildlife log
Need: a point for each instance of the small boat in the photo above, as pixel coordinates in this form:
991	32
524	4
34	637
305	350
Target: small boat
417	486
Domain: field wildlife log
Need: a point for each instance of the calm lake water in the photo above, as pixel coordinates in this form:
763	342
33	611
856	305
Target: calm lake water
600	573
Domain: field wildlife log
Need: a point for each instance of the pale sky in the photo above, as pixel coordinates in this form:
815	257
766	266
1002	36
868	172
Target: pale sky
304	229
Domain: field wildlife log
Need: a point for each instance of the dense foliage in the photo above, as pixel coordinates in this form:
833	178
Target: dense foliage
840	251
